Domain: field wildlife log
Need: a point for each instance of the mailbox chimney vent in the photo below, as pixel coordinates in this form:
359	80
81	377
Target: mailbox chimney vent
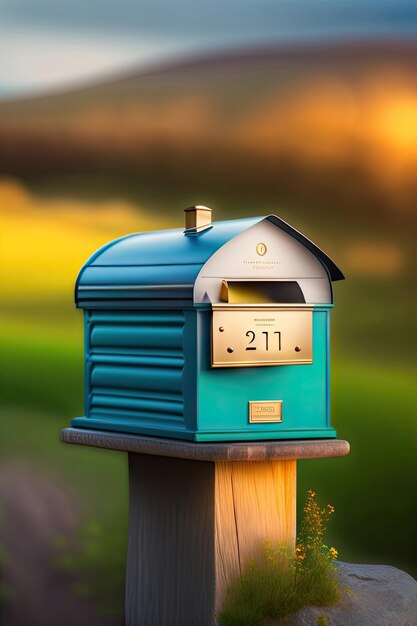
197	218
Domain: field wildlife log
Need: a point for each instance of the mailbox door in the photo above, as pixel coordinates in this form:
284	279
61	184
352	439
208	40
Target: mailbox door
229	397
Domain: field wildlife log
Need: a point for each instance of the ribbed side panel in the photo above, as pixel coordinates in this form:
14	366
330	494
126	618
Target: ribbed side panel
135	367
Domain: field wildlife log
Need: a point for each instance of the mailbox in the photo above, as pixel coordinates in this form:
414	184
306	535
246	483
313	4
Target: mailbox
216	332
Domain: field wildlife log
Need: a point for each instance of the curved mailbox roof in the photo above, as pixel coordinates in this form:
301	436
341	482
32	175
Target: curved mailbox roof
163	265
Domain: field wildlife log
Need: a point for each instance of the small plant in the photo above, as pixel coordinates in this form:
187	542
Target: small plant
281	582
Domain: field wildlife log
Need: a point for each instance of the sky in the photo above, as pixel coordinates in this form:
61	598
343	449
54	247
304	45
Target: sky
47	45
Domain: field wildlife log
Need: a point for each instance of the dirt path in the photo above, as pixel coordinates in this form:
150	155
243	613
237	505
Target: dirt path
35	509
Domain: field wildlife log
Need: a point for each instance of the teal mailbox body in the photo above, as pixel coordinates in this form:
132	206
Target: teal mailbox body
217	332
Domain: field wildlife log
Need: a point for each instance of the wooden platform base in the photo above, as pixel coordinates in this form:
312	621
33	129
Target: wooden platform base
197	516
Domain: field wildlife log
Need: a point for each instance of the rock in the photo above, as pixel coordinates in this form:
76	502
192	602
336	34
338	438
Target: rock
371	595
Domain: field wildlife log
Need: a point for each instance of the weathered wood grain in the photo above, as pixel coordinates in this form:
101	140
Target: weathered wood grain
192	528
227	559
170	562
253	502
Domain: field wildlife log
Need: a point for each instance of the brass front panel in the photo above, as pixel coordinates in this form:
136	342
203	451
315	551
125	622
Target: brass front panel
265	411
255	336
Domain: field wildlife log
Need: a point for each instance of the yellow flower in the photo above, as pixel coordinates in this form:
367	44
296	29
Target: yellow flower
333	553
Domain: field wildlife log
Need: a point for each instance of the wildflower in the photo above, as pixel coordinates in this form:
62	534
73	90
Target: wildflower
333	553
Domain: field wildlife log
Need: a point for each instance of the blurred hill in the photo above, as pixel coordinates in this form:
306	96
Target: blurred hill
315	128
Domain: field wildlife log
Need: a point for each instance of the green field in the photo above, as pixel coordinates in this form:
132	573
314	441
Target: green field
373	405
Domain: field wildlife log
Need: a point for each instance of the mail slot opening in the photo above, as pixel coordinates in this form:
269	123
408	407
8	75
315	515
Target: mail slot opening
261	292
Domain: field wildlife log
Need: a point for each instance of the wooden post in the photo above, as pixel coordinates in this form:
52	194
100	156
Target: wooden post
192	527
253	502
198	513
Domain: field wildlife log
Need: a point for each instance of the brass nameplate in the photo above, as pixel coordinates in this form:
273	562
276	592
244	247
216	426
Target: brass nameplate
265	411
255	336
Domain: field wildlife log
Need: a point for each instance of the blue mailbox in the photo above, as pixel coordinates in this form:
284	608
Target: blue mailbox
216	332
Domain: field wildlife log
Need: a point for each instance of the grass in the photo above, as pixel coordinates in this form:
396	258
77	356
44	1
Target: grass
373	407
280	583
95	561
42	389
266	591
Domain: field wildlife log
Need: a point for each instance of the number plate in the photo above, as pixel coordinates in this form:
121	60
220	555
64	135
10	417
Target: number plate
246	337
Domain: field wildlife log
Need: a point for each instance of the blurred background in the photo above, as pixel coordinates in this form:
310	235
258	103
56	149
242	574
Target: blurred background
116	116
